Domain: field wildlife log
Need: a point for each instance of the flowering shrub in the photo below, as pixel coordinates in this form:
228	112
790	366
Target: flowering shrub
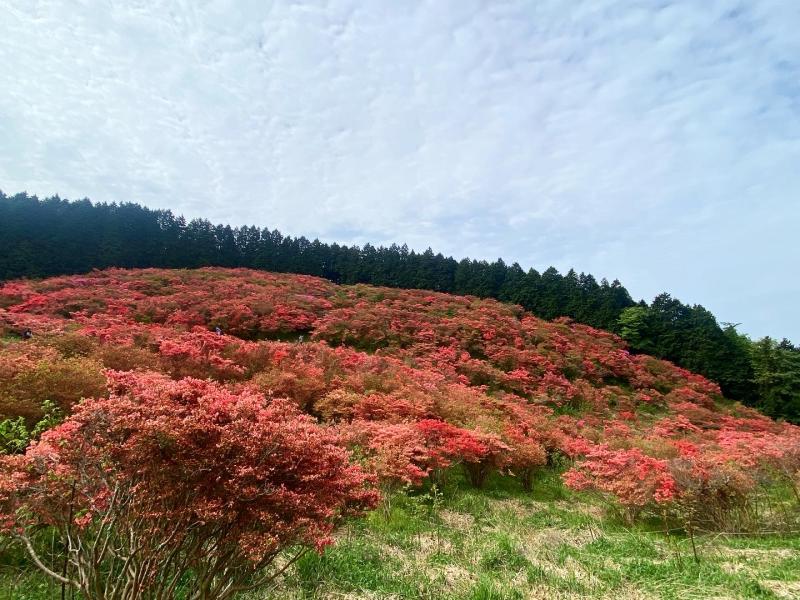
395	452
200	352
480	452
170	477
527	453
631	477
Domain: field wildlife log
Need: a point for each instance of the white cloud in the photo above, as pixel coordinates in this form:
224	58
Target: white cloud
654	142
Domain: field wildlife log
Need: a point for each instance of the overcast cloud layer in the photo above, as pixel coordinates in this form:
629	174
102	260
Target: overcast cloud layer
655	142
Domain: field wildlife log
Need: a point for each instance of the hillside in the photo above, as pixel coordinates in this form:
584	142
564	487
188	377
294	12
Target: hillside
52	236
516	457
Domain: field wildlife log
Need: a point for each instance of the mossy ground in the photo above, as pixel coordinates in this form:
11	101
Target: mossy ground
503	544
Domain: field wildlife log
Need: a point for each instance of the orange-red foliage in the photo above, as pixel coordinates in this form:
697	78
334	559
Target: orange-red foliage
414	381
187	475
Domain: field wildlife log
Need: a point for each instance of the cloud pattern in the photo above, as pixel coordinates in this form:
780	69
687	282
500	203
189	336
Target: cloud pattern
657	142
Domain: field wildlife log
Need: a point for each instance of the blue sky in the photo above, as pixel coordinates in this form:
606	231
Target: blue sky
655	142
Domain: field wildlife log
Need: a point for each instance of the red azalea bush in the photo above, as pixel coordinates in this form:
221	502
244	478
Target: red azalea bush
169	477
631	477
705	478
480	452
395	452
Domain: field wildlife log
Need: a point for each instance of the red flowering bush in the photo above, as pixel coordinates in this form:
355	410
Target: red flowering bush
631	477
480	452
200	352
527	454
170	477
395	452
447	443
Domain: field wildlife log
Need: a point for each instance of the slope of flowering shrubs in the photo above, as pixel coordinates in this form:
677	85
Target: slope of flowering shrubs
412	383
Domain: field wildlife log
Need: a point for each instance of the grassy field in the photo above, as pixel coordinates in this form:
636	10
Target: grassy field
502	544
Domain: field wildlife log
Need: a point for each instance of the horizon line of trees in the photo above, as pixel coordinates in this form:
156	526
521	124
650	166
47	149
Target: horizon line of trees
54	236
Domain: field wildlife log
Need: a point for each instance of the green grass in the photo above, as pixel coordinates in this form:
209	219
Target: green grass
20	581
504	544
352	566
26	585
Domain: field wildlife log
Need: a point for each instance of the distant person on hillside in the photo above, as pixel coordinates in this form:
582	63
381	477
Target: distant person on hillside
27	334
218	330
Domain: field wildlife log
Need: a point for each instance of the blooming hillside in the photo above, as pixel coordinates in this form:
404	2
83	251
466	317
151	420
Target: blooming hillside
412	382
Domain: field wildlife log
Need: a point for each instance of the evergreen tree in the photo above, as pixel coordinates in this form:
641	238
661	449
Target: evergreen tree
777	377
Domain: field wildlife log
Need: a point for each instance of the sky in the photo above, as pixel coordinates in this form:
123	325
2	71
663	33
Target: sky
655	142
